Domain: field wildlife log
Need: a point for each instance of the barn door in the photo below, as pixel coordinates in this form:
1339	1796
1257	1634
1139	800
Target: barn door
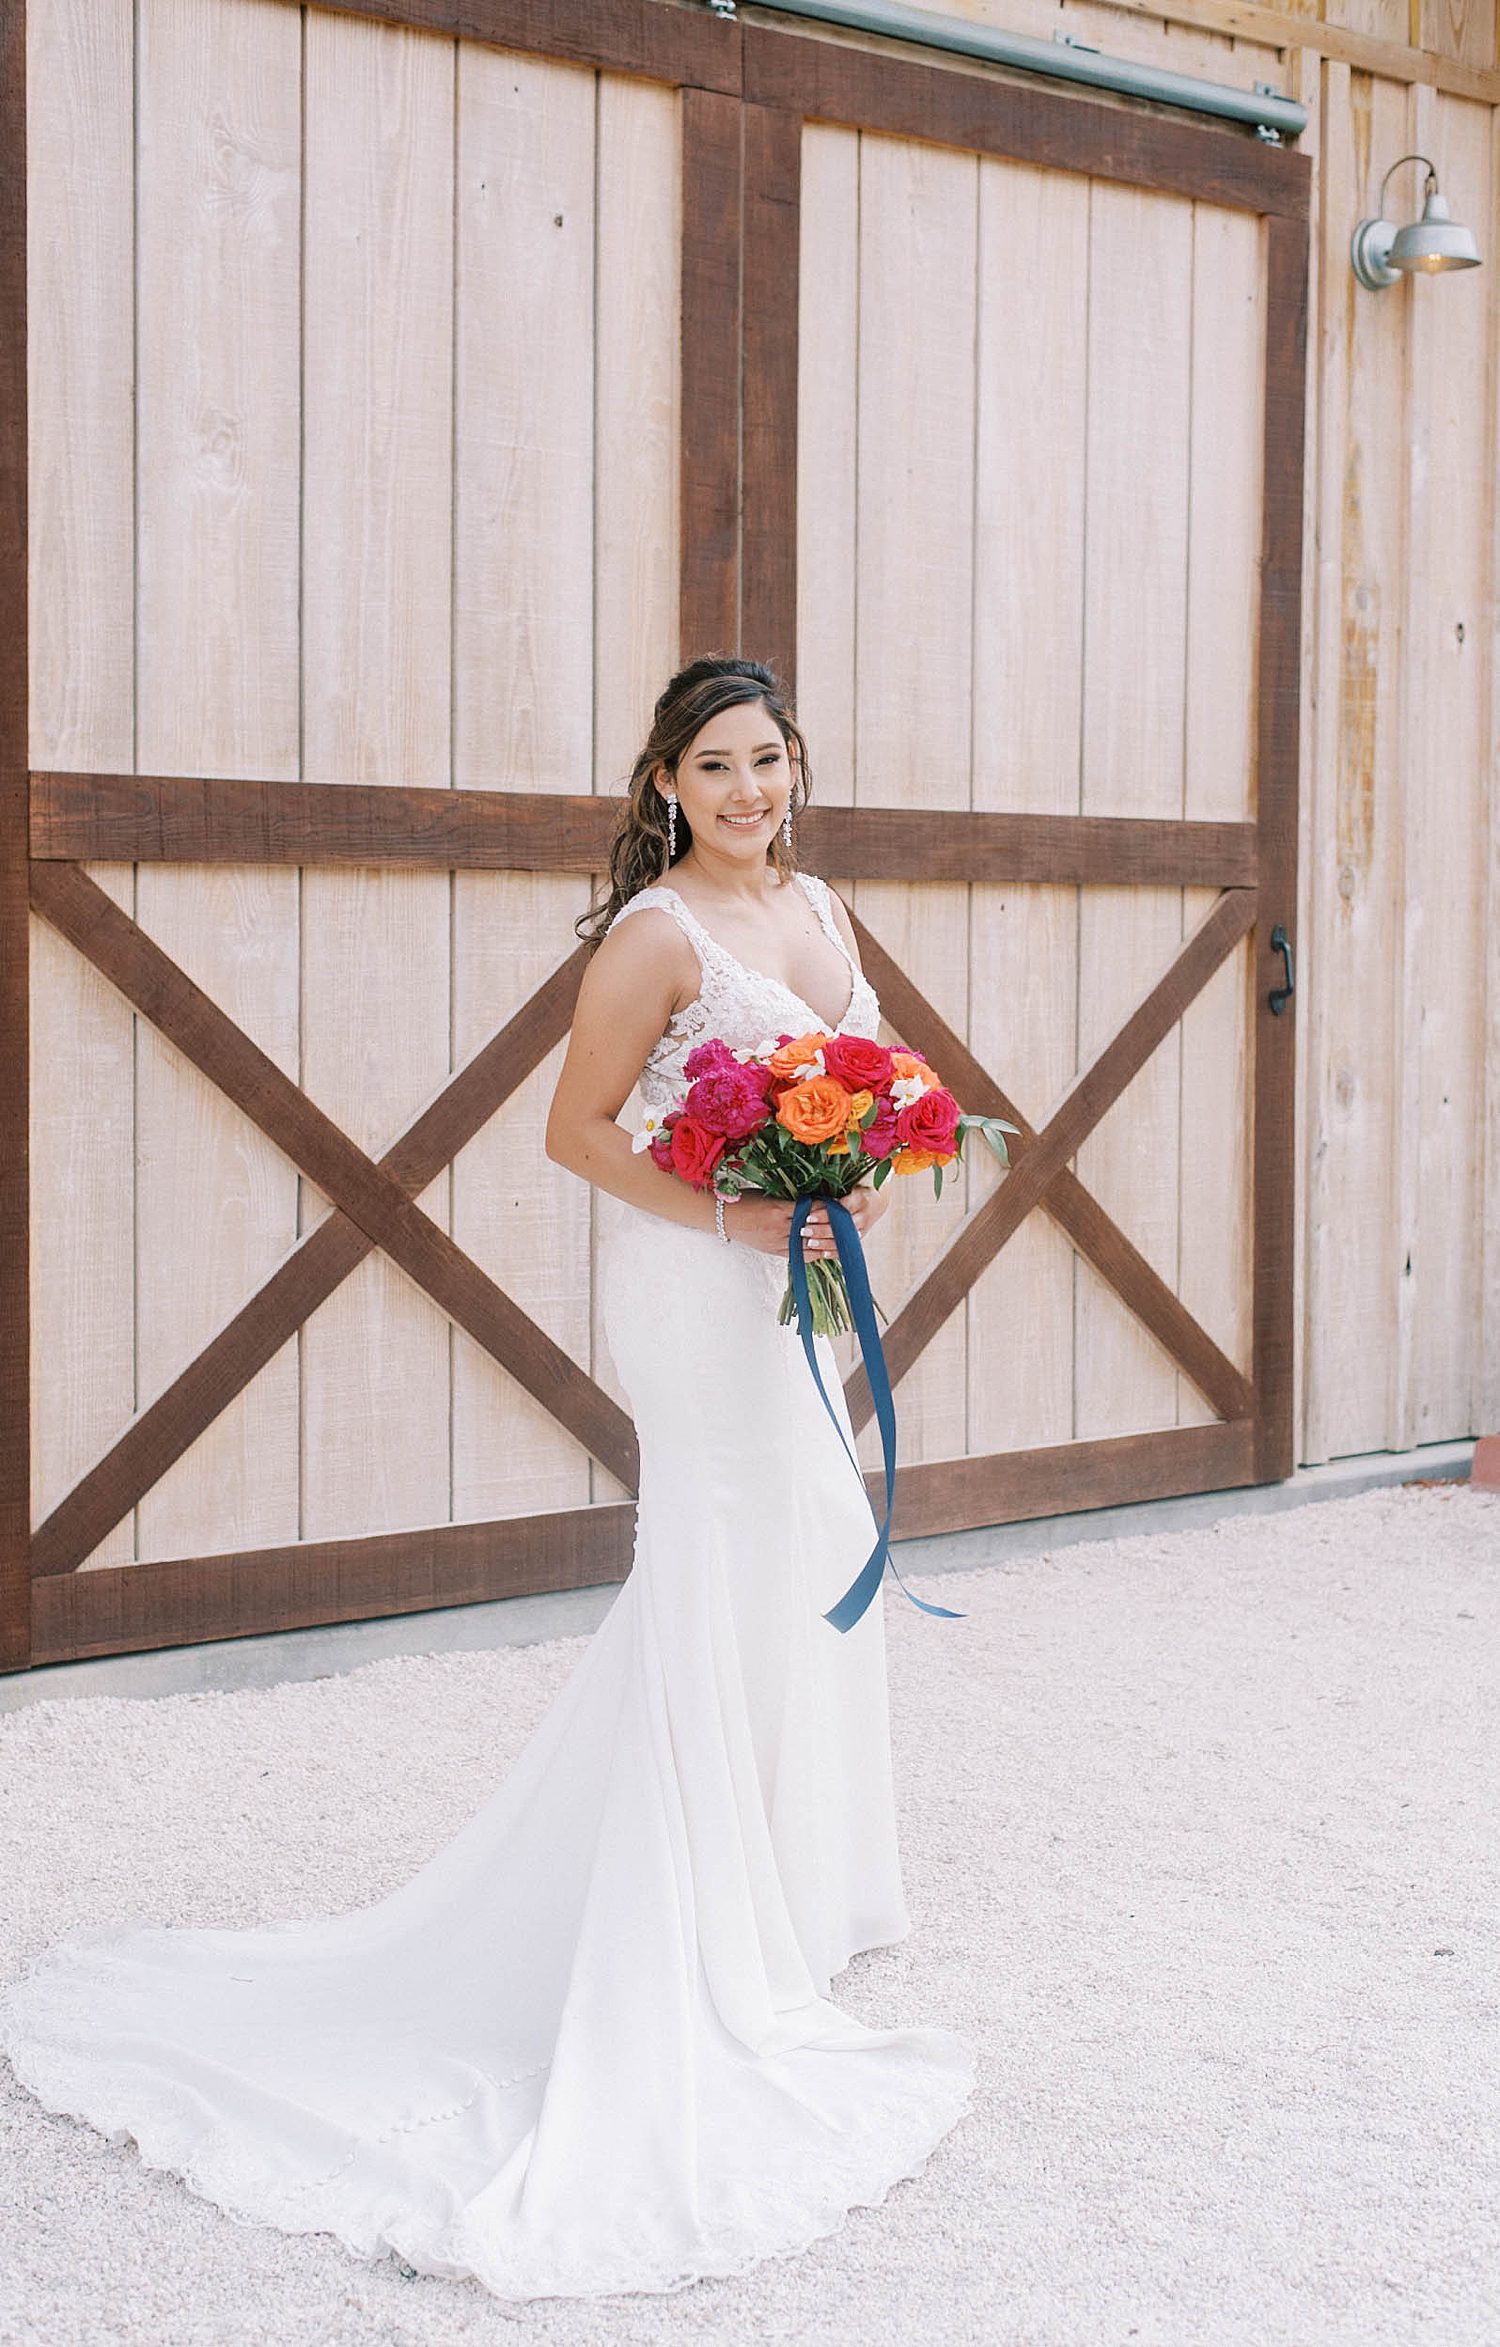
1023	455
344	636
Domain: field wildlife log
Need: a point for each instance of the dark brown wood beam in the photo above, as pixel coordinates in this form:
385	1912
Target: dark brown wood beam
1278	696
1037	1165
184	1601
168	1426
1059	1479
178	819
120	1609
974	107
364	1192
680	44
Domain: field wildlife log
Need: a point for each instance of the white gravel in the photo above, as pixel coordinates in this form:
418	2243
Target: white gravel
1201	1843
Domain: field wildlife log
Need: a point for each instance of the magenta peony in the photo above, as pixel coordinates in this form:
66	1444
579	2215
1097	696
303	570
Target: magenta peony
730	1100
709	1059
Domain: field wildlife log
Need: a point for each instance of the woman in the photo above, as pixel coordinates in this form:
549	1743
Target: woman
588	2047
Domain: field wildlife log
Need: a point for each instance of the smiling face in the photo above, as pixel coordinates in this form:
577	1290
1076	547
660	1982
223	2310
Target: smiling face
733	783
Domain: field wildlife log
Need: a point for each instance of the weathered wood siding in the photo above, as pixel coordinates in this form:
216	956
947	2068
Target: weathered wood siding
1398	1146
399	504
354	457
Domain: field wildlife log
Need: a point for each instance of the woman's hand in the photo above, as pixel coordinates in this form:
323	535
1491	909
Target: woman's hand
766	1223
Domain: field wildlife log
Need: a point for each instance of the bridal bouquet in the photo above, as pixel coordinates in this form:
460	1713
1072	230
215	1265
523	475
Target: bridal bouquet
812	1116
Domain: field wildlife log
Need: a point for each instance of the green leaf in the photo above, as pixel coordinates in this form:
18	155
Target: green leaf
882	1172
937	1181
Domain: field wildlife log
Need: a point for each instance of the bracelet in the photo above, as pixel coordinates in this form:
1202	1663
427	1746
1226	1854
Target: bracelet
719	1216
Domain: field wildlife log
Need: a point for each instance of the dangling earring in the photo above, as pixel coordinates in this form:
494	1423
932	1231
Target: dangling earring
671	825
786	826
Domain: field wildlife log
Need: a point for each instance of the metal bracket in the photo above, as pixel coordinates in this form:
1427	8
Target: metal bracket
1071	41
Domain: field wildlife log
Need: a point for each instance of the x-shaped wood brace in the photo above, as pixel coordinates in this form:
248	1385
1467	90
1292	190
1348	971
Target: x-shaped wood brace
374	1204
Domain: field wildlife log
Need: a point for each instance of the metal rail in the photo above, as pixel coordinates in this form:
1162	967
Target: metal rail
1061	59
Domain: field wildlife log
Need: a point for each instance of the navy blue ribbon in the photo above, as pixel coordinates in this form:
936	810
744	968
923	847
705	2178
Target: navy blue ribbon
862	1307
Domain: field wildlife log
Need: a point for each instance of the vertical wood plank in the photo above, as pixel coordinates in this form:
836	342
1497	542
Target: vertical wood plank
78	156
522	704
1140	292
377	566
772	202
640	401
1349	1012
827	504
1440	1033
918	213
1305	81
710	372
1487	1270
1215	1233
827	449
218	407
1028	641
641	591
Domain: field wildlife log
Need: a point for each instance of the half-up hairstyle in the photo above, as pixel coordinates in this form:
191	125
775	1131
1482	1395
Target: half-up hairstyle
697	693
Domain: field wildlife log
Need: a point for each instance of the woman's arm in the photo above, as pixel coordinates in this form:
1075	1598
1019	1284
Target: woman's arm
634	981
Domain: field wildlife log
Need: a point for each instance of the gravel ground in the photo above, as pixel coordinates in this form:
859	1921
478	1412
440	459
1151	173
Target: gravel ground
1200	1840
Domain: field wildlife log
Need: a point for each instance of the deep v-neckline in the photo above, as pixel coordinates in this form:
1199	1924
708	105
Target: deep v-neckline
749	970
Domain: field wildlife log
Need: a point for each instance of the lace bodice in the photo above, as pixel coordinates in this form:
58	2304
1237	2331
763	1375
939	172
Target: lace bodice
743	1007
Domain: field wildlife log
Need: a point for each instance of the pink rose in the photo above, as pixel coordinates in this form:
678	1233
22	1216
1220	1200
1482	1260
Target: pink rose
695	1151
858	1062
730	1101
930	1122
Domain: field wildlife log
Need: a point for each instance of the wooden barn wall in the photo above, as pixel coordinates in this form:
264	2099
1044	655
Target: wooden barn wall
1397	1272
405	508
354	458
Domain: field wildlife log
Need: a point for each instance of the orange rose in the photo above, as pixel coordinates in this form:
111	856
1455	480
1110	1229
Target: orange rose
784	1063
906	1063
857	1106
907	1161
815	1111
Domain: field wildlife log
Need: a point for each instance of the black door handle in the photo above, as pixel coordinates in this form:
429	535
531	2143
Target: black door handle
1280	996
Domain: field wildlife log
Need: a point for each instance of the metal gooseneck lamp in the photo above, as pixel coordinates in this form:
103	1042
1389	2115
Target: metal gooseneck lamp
1382	253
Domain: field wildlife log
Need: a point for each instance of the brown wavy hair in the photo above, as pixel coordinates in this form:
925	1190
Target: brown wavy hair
697	693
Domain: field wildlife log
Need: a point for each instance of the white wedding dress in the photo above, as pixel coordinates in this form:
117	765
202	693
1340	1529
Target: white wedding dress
588	2046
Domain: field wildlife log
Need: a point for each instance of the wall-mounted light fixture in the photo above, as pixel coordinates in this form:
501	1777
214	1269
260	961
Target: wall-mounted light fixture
1381	252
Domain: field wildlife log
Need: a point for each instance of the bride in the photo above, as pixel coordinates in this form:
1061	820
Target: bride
589	2046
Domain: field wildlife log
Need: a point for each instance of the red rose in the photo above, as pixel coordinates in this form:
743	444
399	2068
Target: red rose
730	1100
858	1062
930	1122
695	1151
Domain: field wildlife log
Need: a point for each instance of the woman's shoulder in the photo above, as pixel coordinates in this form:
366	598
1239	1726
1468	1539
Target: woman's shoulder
663	924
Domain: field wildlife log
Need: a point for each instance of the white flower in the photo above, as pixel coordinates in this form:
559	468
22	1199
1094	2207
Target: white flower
906	1089
763	1049
812	1067
647	1134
